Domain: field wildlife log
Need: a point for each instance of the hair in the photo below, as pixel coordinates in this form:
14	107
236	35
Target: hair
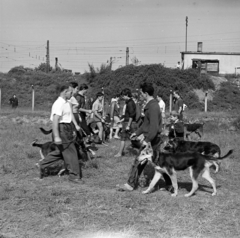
126	92
73	84
61	88
83	87
135	95
99	94
147	88
159	94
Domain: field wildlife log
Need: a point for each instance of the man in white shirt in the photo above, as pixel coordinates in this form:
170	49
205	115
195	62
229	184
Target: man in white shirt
63	123
162	106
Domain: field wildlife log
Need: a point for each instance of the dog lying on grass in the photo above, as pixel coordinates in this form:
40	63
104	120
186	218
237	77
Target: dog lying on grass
170	163
201	147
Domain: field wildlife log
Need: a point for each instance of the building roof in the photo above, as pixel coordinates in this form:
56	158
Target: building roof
210	53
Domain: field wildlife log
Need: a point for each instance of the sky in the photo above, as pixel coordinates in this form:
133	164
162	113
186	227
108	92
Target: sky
82	32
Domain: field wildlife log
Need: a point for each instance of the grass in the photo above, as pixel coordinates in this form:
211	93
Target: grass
53	207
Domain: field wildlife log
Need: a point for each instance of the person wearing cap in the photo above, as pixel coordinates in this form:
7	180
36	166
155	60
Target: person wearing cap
97	109
151	129
176	127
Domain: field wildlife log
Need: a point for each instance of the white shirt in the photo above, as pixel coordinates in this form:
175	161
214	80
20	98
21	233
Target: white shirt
162	106
61	108
74	103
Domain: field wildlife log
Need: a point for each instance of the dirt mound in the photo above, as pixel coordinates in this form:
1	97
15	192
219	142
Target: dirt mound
217	80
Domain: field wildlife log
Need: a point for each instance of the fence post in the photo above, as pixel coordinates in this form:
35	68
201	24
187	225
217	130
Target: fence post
206	95
0	98
33	98
170	101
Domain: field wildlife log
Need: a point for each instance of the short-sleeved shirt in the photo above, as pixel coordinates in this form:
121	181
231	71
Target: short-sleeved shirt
130	111
75	104
97	107
162	106
62	108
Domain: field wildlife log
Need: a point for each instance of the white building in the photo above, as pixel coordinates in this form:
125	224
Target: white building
212	62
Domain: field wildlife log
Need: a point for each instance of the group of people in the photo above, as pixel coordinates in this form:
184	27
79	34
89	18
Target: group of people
71	120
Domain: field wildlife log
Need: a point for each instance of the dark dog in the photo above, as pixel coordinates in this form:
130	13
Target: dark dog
196	128
45	148
201	147
170	163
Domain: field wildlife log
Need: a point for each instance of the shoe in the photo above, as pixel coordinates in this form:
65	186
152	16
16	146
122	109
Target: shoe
75	180
117	155
125	187
170	188
117	137
104	143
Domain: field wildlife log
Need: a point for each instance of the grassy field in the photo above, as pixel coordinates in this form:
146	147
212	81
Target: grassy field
54	207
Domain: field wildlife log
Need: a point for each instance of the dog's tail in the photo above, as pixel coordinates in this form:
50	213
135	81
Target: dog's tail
35	144
45	132
221	158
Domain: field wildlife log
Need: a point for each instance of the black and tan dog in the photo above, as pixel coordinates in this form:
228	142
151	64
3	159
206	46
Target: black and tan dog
201	147
171	163
196	128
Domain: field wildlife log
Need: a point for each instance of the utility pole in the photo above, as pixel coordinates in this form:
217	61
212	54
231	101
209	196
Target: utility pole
47	57
186	34
127	56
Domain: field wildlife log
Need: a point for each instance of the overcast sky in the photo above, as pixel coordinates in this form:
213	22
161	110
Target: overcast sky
92	31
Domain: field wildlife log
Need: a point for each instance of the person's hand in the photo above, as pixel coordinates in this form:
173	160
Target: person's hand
133	135
89	111
57	140
102	120
77	127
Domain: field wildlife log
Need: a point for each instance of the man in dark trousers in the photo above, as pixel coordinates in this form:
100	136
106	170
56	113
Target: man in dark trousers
63	127
178	104
129	121
14	101
151	129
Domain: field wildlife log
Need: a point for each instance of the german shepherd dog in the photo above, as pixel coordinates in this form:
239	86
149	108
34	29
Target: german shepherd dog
170	163
202	147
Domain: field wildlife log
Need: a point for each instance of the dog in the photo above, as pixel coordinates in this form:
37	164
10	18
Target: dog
201	147
170	163
196	128
45	149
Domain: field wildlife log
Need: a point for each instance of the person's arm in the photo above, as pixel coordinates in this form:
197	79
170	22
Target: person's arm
131	108
73	118
153	124
55	129
180	105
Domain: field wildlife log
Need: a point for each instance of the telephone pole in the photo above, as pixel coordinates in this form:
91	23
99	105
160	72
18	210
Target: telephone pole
186	34
127	56
47	57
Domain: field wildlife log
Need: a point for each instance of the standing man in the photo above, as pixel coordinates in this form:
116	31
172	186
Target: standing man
129	123
80	97
178	104
151	129
97	109
14	101
63	123
162	106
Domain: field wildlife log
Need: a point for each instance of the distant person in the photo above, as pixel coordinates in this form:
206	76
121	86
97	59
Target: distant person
178	104
178	66
83	112
98	118
115	118
129	123
176	127
13	101
162	106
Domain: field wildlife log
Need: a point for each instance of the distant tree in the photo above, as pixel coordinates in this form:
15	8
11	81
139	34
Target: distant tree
17	69
135	61
43	67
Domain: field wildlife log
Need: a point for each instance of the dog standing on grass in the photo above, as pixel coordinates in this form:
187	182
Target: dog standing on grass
171	163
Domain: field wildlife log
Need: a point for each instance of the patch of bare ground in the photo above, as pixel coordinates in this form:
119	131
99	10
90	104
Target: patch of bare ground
54	207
